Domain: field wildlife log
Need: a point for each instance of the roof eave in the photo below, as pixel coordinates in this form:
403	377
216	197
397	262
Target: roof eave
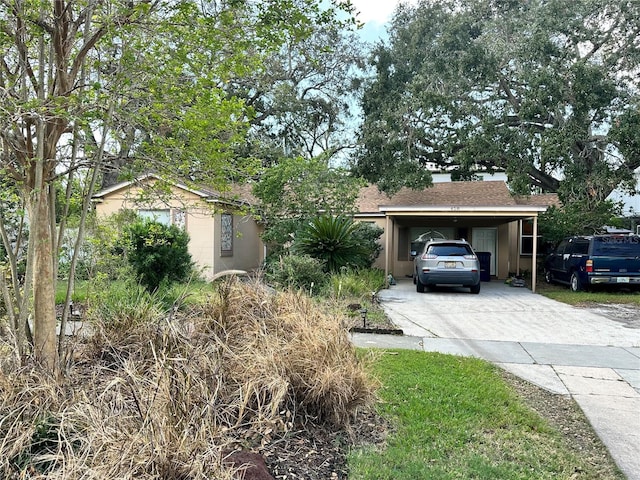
147	176
506	210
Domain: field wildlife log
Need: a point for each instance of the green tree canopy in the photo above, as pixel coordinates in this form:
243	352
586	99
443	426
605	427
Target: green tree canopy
304	96
298	189
547	91
122	87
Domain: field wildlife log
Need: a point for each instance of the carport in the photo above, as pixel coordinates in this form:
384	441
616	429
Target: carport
483	212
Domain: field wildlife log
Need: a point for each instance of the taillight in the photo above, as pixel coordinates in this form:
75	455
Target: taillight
470	257
428	256
589	266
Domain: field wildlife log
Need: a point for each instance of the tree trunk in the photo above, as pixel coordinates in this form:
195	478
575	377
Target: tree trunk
44	312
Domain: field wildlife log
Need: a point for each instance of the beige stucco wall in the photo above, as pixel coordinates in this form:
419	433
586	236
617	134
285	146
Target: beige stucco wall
202	223
248	249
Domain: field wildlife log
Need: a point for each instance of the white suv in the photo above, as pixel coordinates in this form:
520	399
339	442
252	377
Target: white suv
446	262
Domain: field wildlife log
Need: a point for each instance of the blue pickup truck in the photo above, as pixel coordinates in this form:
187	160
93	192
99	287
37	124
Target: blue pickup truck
585	261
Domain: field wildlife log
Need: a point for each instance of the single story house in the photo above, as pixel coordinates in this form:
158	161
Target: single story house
485	213
223	235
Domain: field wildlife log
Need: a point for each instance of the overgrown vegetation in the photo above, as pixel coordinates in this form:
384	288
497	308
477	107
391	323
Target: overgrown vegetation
356	283
572	219
328	251
294	190
455	417
332	240
163	396
297	272
158	253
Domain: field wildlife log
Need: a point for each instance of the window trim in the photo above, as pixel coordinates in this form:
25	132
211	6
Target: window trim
529	238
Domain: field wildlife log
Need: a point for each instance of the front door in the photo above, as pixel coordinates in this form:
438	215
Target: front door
484	240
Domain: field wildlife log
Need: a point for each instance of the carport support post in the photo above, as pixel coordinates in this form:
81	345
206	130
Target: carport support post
388	230
534	256
519	247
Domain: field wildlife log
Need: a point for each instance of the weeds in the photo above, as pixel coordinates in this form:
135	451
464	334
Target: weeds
357	283
151	395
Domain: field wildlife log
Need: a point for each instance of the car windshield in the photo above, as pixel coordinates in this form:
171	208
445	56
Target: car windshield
627	246
449	250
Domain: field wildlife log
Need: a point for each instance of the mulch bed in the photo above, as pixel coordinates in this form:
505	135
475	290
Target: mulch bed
314	452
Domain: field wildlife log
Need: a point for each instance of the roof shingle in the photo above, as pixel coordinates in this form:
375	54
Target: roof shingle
471	194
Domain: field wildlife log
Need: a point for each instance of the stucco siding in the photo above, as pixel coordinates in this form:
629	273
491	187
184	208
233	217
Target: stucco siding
202	221
200	227
248	250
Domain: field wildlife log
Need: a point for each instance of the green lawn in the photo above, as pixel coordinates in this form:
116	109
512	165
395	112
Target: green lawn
565	295
456	418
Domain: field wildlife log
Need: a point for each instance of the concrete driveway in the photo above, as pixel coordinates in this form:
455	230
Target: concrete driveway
567	350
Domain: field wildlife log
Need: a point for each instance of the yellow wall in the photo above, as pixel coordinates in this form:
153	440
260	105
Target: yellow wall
202	224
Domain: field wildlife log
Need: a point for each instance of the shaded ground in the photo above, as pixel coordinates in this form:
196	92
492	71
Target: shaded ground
314	453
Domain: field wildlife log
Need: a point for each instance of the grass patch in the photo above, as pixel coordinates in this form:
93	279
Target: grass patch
563	294
351	291
455	417
80	291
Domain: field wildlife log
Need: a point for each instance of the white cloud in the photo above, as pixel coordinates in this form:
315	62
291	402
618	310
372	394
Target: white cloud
378	11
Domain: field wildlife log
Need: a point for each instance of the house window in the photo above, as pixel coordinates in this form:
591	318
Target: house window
160	216
175	217
226	234
526	239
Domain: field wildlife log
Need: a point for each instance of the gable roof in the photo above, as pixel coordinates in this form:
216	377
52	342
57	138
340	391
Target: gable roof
238	194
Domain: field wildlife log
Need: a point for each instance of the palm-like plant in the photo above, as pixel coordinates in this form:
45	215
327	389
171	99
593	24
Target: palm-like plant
331	239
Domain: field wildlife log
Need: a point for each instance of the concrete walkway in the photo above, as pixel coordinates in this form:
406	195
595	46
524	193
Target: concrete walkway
567	350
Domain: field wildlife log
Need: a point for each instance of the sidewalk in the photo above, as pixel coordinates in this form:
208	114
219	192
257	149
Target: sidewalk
602	374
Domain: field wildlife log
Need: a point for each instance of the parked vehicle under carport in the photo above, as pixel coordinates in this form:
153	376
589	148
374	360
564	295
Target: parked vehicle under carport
446	262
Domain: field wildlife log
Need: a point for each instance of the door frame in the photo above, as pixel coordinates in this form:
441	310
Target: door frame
492	247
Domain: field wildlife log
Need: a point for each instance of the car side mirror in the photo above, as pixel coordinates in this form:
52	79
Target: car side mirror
413	253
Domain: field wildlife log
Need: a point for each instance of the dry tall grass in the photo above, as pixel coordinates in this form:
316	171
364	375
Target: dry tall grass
163	399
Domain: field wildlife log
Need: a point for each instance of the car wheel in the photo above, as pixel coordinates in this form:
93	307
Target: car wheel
574	283
419	285
475	288
414	278
548	276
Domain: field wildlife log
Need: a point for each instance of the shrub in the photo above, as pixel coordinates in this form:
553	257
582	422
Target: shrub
368	235
296	272
103	252
332	240
158	253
